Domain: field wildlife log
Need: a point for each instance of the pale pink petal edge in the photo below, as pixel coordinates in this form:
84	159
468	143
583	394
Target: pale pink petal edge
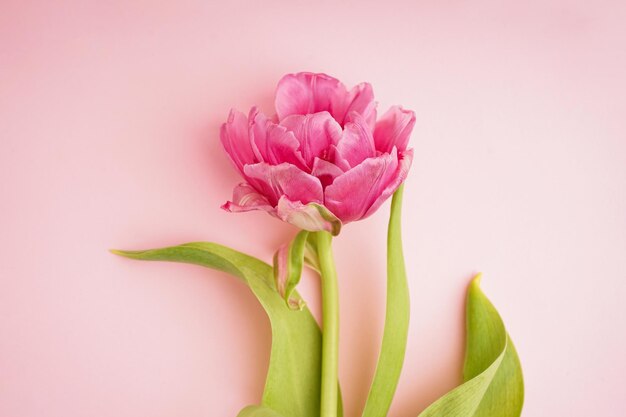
312	217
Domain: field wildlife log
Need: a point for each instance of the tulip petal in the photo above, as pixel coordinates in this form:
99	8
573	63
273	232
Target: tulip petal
394	129
316	133
352	194
234	138
246	198
360	100
275	181
272	143
258	124
326	171
282	146
357	142
306	92
312	217
404	165
337	159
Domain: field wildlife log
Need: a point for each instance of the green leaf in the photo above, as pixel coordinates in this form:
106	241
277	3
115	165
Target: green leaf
396	320
288	262
311	257
258	411
292	386
494	386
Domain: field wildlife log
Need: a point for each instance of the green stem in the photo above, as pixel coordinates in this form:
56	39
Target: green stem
330	326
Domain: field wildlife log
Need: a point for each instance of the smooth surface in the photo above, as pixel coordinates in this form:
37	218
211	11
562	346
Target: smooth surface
293	382
329	324
397	319
493	381
109	118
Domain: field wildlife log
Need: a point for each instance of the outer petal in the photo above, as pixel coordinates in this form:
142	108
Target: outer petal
257	130
357	142
275	181
305	93
234	137
312	217
360	100
353	193
315	132
404	165
246	198
394	129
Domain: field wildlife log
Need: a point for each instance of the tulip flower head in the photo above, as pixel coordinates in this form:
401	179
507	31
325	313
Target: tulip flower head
324	159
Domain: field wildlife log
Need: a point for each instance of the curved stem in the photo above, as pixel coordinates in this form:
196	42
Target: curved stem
330	326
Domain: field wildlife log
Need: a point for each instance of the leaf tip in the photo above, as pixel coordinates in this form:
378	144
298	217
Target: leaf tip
474	286
296	304
124	253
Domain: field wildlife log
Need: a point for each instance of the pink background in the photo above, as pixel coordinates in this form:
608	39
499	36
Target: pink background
109	117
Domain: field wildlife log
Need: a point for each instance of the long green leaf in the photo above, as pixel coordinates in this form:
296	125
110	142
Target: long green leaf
396	320
494	385
292	387
258	411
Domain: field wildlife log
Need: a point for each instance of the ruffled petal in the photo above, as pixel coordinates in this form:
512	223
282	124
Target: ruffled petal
305	93
326	171
394	129
337	158
312	217
357	142
404	165
275	181
246	198
257	131
283	146
352	194
359	100
272	143
234	138
315	132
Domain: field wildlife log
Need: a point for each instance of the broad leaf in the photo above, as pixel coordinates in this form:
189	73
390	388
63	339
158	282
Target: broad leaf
396	320
292	387
494	385
258	411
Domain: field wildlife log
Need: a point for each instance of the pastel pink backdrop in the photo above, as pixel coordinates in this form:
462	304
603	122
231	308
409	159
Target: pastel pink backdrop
109	117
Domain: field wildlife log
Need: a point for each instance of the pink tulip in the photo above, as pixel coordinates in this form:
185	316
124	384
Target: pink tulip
324	159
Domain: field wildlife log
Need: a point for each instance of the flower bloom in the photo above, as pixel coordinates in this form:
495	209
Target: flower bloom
324	159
